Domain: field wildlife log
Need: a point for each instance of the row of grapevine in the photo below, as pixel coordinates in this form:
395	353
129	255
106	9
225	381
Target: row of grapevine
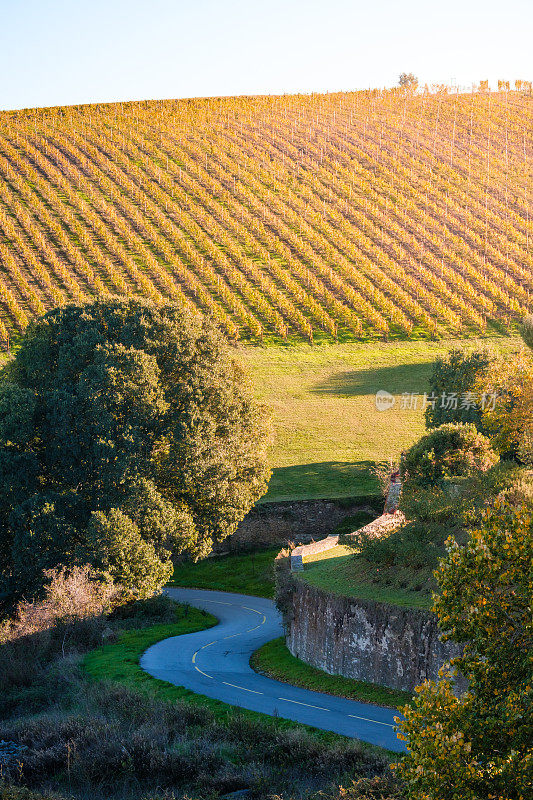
353	214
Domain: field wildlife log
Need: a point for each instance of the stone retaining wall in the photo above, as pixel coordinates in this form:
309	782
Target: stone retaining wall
363	639
386	523
272	524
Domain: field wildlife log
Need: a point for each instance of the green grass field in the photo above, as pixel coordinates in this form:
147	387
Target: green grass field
338	571
275	660
327	429
250	573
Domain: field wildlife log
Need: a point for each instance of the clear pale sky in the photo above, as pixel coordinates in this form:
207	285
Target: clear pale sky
59	52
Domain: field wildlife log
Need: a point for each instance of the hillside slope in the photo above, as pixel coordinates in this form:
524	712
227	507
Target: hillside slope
327	216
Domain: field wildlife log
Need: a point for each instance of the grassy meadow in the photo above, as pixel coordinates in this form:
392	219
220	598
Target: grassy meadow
327	431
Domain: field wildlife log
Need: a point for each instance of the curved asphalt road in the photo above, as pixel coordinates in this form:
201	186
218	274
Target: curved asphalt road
215	662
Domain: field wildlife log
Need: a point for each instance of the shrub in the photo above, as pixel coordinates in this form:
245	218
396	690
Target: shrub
434	514
480	745
454	450
70	617
508	419
158	608
70	596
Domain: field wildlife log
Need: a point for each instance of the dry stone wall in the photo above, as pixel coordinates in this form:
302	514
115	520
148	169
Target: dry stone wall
271	524
386	523
363	639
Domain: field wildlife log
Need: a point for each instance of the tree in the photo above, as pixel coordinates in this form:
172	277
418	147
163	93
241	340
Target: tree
508	418
479	746
407	80
120	413
452	451
453	385
115	545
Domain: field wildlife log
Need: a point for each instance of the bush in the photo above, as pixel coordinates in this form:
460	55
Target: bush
70	596
433	515
158	608
70	618
479	745
508	419
454	450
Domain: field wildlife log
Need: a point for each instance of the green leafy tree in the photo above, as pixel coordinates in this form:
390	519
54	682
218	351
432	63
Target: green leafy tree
115	545
453	384
451	451
508	420
122	405
479	746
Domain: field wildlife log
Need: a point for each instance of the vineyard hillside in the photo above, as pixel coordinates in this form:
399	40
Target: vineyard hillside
377	214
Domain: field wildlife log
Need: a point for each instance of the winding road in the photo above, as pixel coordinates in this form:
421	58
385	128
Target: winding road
215	662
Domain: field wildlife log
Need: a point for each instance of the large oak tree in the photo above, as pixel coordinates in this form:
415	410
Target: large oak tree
127	431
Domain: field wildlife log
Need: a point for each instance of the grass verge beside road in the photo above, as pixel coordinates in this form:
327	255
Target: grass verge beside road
249	573
275	660
119	663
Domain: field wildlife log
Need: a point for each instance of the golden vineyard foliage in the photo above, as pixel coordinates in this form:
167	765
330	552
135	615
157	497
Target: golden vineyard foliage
376	213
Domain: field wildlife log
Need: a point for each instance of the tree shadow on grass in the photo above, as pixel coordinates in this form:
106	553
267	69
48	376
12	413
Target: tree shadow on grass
324	480
395	379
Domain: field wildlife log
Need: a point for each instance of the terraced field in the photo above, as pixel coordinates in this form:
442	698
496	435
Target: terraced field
376	214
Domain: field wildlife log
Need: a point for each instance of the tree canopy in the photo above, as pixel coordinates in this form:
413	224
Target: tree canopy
479	745
509	420
125	428
408	80
453	384
453	450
